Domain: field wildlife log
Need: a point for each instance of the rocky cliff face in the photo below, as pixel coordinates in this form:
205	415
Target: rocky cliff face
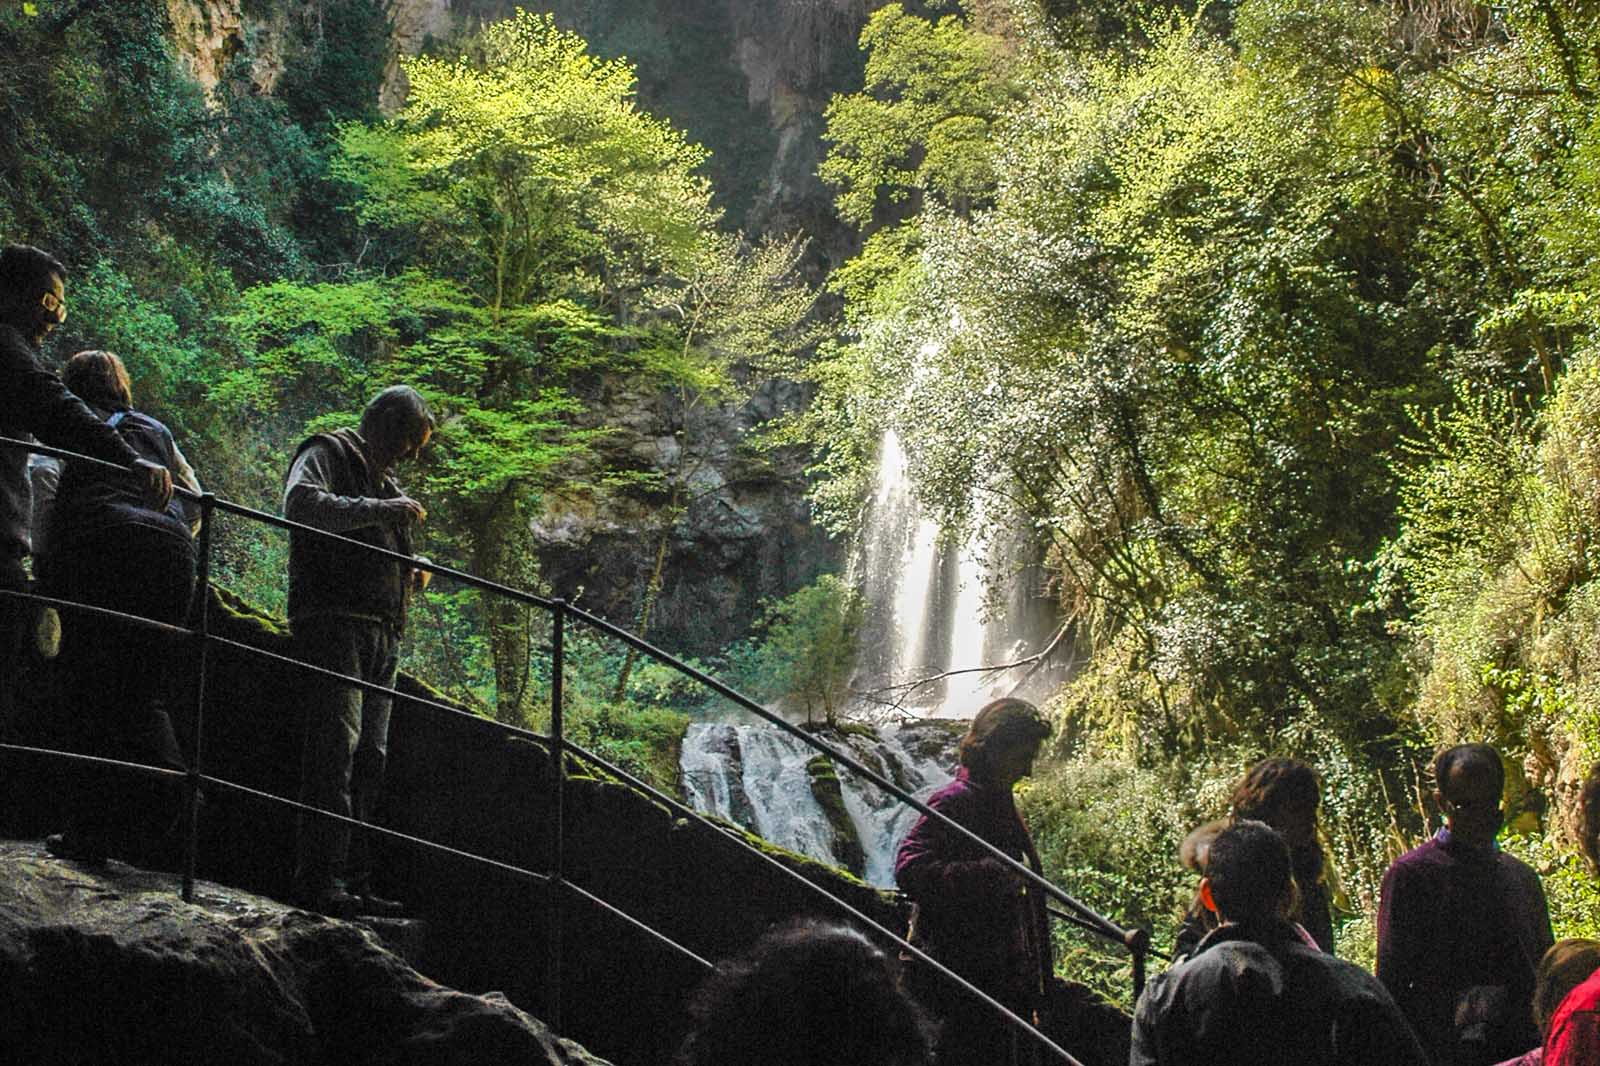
747	78
744	533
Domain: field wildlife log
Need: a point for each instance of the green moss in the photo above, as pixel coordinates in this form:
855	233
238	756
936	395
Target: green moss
240	619
825	787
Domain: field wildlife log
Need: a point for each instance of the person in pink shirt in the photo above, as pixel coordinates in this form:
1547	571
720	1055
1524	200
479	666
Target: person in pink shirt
1565	966
1573	1037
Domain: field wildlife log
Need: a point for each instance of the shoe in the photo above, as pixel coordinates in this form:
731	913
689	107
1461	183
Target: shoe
76	848
335	902
373	906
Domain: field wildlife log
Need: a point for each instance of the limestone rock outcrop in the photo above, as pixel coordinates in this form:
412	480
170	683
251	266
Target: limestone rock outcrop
109	965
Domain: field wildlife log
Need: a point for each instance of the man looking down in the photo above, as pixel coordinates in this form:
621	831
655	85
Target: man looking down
347	610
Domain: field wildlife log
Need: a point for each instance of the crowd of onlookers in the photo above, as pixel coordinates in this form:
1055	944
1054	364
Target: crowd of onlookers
1467	971
122	542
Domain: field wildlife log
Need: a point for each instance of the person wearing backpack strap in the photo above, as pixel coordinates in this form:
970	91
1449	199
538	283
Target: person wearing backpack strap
109	548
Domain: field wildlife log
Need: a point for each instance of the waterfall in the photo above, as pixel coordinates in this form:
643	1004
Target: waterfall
758	777
934	606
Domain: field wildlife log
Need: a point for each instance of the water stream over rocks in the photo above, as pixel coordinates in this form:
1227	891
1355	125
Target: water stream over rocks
935	606
776	785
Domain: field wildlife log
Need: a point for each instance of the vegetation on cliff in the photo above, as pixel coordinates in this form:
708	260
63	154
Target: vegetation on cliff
1277	323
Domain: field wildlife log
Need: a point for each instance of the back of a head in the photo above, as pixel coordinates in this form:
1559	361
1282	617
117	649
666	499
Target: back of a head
1273	785
1002	723
25	273
99	379
1564	967
1250	871
396	418
806	994
1480	757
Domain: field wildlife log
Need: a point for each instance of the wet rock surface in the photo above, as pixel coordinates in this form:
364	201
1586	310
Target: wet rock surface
108	964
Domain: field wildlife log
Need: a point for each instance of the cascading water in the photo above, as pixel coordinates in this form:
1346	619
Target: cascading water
938	609
759	777
933	607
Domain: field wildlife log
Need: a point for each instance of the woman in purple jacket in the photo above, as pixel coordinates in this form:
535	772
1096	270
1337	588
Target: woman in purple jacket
973	913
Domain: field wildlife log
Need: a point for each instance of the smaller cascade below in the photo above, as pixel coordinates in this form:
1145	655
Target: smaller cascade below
766	780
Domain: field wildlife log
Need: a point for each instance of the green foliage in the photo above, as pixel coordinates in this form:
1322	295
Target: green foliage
922	123
338	80
1569	885
803	649
1108	832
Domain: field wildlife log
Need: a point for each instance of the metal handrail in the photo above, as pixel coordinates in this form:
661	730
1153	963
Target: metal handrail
548	880
1134	939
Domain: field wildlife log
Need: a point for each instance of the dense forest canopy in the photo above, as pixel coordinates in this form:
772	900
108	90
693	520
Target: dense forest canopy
1274	321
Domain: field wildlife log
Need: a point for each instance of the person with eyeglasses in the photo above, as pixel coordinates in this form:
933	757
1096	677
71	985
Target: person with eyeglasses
35	404
1462	925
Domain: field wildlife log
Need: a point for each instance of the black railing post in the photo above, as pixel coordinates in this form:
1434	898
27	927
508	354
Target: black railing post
558	847
202	633
1138	942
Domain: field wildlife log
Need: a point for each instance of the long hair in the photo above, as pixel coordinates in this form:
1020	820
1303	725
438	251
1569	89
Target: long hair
810	993
100	380
1276	784
1001	723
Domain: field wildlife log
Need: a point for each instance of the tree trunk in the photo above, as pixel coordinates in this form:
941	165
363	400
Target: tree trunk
510	623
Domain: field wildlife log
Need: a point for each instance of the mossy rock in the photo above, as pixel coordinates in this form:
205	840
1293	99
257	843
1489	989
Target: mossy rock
830	796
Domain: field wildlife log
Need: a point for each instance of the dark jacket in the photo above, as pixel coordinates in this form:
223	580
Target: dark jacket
971	912
1264	997
328	578
90	499
33	402
1459	925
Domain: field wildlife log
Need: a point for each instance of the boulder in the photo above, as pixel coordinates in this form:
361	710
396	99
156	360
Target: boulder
108	964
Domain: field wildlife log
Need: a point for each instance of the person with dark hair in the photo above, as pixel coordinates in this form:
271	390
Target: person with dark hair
1255	991
1572	1037
34	403
111	550
972	913
1564	967
1285	794
806	994
1462	925
347	611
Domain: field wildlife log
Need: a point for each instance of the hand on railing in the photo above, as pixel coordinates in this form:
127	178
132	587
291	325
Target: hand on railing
401	511
156	481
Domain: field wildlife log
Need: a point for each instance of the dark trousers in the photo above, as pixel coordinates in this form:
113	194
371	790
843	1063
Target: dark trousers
346	746
122	677
12	616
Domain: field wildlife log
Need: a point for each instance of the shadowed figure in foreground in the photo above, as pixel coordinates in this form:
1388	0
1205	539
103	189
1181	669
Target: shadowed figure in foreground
807	994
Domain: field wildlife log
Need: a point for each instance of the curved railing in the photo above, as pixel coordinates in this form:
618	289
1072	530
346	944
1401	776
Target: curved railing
1069	909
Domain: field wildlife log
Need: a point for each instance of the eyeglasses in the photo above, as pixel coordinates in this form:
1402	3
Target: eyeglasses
56	305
